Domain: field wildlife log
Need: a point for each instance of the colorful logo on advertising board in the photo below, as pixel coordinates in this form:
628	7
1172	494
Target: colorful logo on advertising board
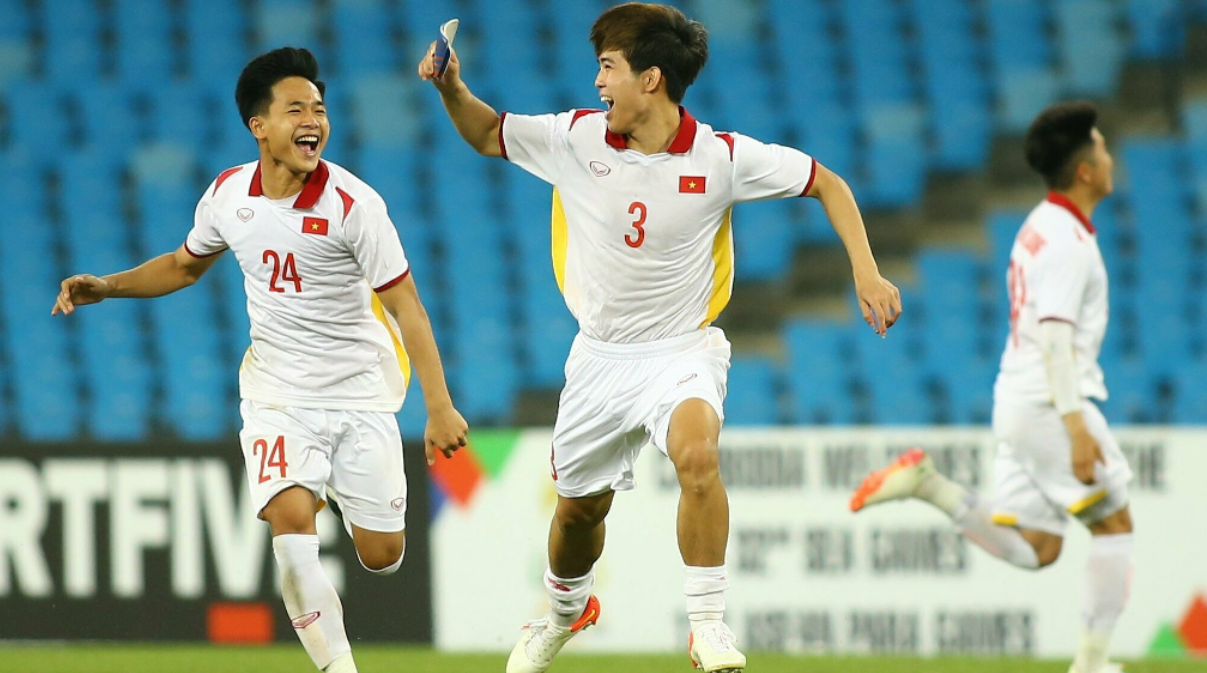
455	480
1186	637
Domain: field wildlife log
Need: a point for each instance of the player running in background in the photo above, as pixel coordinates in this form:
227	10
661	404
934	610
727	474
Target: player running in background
329	294
1055	454
643	253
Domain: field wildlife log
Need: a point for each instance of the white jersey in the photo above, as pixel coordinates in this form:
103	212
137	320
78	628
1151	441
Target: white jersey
312	264
1056	273
643	244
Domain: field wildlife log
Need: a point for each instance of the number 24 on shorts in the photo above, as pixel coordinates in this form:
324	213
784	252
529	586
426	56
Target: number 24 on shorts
270	458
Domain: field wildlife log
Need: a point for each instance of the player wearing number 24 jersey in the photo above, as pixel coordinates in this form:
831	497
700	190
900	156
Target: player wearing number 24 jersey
1056	457
332	304
642	237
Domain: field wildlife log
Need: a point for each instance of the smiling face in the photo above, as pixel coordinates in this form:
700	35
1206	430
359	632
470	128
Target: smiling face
294	129
623	91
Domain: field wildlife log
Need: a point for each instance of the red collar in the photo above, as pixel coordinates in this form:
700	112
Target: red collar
680	145
1064	202
311	191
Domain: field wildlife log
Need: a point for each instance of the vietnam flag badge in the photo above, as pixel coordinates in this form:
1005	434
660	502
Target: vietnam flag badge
314	225
691	184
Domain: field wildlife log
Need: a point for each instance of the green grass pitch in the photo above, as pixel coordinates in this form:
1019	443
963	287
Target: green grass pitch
70	658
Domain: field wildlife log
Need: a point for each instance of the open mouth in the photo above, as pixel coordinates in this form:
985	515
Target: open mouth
607	100
308	144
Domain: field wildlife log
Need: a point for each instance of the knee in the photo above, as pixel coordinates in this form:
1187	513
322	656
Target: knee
1048	552
697	465
580	514
383	557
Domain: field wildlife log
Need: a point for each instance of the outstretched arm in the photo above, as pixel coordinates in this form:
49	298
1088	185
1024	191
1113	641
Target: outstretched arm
476	121
446	429
879	300
156	277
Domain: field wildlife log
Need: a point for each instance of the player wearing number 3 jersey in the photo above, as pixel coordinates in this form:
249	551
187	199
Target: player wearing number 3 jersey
643	253
1056	457
331	303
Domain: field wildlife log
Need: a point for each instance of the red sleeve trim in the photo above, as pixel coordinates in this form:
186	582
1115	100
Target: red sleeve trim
394	282
190	251
812	177
348	202
579	114
728	141
502	143
1056	319
222	177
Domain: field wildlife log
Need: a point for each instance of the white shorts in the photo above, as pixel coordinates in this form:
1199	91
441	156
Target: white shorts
619	397
355	454
1036	488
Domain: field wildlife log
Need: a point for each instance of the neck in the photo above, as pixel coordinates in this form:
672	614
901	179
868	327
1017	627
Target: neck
277	180
656	130
1084	198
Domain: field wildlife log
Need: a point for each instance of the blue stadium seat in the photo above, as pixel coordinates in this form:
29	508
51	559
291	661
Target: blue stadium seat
817	373
751	394
1158	28
1023	94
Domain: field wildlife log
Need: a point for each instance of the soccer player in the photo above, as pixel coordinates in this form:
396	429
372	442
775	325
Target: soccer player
643	254
329	295
1056	457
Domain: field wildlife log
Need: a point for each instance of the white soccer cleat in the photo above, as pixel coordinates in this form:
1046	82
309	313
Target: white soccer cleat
895	482
1106	668
712	650
540	641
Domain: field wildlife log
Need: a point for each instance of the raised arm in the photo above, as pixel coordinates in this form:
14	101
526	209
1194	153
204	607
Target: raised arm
476	121
874	292
446	429
159	276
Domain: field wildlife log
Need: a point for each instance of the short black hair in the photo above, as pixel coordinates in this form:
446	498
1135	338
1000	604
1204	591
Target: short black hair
253	93
1056	141
652	35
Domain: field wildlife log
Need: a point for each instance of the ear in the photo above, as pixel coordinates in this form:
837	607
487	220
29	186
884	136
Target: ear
256	125
1085	171
650	79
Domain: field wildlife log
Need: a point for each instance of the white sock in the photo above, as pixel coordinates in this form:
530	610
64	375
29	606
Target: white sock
705	588
1004	542
943	493
1107	585
568	597
312	603
342	664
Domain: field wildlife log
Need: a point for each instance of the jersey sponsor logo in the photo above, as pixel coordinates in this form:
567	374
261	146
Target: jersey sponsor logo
685	379
245	214
691	184
302	621
314	225
599	168
398	504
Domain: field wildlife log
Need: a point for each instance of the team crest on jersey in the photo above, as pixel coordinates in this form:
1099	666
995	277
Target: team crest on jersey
398	503
599	168
245	214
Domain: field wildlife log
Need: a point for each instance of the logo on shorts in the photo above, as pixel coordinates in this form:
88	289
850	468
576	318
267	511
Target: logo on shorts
305	620
685	379
398	504
599	168
245	214
553	462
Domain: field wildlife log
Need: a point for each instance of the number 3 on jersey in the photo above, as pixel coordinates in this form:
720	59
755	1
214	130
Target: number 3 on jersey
637	208
270	458
287	272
